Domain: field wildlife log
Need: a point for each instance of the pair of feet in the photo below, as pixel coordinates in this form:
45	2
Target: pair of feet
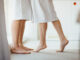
21	50
25	50
62	46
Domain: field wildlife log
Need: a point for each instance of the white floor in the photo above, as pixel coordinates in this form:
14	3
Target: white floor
47	55
70	53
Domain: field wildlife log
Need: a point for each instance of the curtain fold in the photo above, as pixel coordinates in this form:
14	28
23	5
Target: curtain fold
4	48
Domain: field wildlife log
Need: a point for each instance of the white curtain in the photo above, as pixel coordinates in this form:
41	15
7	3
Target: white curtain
4	49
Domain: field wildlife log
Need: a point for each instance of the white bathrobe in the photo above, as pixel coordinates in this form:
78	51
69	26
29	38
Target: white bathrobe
39	11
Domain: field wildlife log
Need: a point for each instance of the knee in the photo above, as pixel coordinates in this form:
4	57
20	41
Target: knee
43	24
57	21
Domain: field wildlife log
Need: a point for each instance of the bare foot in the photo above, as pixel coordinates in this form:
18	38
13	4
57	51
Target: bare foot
19	50
63	45
41	47
26	48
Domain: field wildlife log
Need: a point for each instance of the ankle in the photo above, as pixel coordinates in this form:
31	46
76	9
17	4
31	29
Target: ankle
43	45
13	48
63	39
20	45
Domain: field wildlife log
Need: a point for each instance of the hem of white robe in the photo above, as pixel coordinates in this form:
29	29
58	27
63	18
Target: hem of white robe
39	20
46	21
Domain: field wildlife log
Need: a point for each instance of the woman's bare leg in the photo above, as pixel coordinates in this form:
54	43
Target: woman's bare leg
63	39
42	44
21	35
15	36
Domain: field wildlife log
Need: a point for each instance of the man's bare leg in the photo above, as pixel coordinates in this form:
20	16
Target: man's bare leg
42	44
15	37
63	39
21	35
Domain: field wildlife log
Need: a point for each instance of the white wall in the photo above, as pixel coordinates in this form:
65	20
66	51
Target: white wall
67	14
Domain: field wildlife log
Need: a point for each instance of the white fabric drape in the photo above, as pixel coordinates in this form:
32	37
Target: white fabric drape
38	11
4	49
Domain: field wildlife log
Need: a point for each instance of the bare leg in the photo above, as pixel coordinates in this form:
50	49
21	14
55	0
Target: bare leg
42	44
63	39
21	35
15	36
